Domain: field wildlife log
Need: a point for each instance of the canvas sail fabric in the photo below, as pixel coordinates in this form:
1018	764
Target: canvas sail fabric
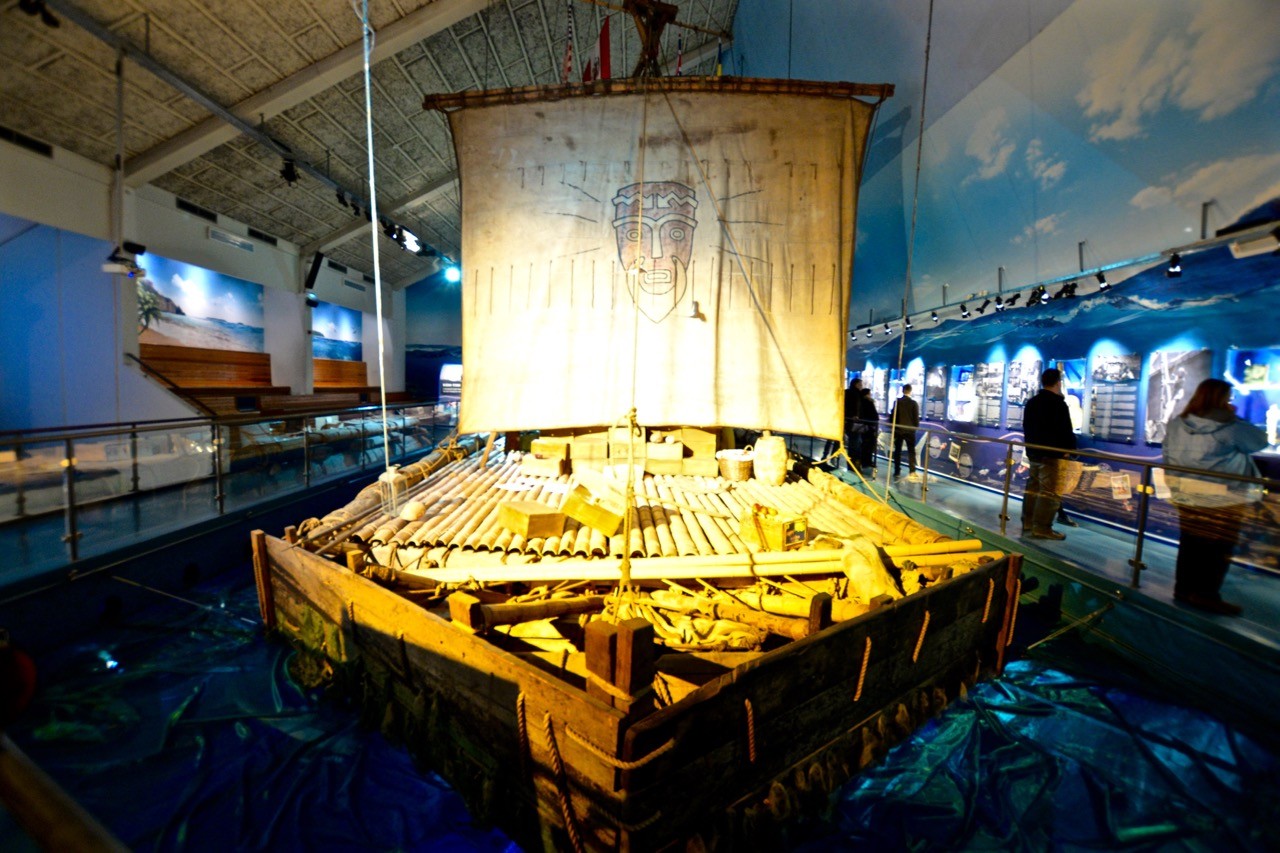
688	251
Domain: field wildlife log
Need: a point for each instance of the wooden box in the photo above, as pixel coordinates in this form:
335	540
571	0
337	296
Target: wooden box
698	467
530	519
619	450
666	451
542	466
773	531
589	447
663	466
701	443
604	514
556	447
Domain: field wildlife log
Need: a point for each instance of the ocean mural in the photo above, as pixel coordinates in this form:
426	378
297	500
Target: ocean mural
336	332
182	304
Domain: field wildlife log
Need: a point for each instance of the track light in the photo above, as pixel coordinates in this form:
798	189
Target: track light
933	315
906	322
1102	281
1013	300
1175	266
289	171
870	333
887	329
389	228
999	304
964	311
983	307
37	7
1037	295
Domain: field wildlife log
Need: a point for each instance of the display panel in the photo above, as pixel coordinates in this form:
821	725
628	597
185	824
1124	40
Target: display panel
935	393
990	393
1255	373
1172	377
450	382
336	332
1024	383
1073	374
189	306
961	401
1114	410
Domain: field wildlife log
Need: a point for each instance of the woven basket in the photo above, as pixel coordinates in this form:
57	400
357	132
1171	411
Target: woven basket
1069	473
735	464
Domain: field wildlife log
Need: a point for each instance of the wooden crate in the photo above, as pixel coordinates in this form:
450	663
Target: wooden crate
542	466
772	530
696	467
665	451
603	514
557	448
589	447
530	519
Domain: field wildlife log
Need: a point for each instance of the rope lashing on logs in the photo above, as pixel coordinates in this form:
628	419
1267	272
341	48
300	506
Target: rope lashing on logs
862	674
751	731
924	626
562	785
632	827
522	730
991	590
612	761
615	691
1013	620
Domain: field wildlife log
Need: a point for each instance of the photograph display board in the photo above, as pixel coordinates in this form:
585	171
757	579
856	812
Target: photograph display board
990	393
336	332
877	379
1073	374
1255	373
1024	383
1172	377
961	397
189	306
1113	414
935	393
451	382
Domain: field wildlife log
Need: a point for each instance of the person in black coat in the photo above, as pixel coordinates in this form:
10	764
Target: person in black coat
905	420
1046	423
869	418
852	402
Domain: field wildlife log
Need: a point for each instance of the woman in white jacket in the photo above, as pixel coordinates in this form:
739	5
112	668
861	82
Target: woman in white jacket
1209	436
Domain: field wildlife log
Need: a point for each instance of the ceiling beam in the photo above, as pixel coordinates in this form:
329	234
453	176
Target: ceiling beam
358	226
298	87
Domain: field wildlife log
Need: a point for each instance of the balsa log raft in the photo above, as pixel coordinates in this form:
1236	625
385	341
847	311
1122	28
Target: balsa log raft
558	767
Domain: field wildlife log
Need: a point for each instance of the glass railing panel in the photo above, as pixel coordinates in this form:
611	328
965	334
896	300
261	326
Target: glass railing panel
262	459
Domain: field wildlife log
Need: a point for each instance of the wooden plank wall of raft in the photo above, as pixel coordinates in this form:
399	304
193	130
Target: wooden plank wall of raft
486	697
736	734
675	516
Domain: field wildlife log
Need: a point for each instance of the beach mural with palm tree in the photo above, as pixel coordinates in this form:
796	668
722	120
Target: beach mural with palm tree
182	304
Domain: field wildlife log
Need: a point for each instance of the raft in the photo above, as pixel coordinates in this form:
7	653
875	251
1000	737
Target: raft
617	735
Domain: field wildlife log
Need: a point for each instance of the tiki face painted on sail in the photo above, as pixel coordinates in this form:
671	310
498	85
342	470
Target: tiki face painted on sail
654	223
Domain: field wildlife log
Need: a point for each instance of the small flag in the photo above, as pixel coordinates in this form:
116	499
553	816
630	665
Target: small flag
568	44
679	56
719	59
597	66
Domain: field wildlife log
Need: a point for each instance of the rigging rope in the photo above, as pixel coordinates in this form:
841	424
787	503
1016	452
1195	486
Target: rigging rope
368	38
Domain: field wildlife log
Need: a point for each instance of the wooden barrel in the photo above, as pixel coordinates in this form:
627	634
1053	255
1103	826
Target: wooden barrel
770	460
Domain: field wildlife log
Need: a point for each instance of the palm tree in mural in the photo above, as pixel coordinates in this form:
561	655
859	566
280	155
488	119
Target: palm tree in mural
148	306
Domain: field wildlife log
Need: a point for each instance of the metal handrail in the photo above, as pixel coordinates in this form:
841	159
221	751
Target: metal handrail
173	386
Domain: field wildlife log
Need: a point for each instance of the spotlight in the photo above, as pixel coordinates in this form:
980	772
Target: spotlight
342	199
870	334
453	275
289	171
1013	300
906	322
1070	289
312	299
368	215
1062	292
964	311
1102	281
999	304
1175	266
983	307
933	315
887	330
410	242
1036	294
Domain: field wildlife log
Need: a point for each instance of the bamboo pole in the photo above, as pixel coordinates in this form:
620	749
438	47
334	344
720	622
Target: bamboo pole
933	548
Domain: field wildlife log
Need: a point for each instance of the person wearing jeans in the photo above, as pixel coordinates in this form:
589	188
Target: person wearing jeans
1046	423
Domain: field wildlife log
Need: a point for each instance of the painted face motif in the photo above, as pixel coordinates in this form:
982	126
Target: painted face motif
654	223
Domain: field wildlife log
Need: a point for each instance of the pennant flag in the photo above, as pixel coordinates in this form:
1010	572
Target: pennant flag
597	66
679	56
719	59
568	45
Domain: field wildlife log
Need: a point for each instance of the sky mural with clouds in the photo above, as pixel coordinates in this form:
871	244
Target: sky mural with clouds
1047	123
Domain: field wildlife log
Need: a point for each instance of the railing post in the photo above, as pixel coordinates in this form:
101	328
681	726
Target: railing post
20	496
924	466
72	537
306	455
1143	506
133	456
218	497
1008	480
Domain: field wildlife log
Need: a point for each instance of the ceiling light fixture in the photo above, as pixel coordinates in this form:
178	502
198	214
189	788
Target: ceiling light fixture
1175	266
887	329
452	274
1103	284
933	315
289	171
999	304
37	7
906	322
983	307
964	311
870	334
1013	300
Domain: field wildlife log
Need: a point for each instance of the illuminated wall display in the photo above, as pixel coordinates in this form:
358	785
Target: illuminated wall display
1073	376
1255	373
1114	410
989	389
935	393
336	332
1023	383
1172	377
961	403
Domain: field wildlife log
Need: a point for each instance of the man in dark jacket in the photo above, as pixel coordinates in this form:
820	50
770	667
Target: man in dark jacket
905	419
870	433
1046	422
852	402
